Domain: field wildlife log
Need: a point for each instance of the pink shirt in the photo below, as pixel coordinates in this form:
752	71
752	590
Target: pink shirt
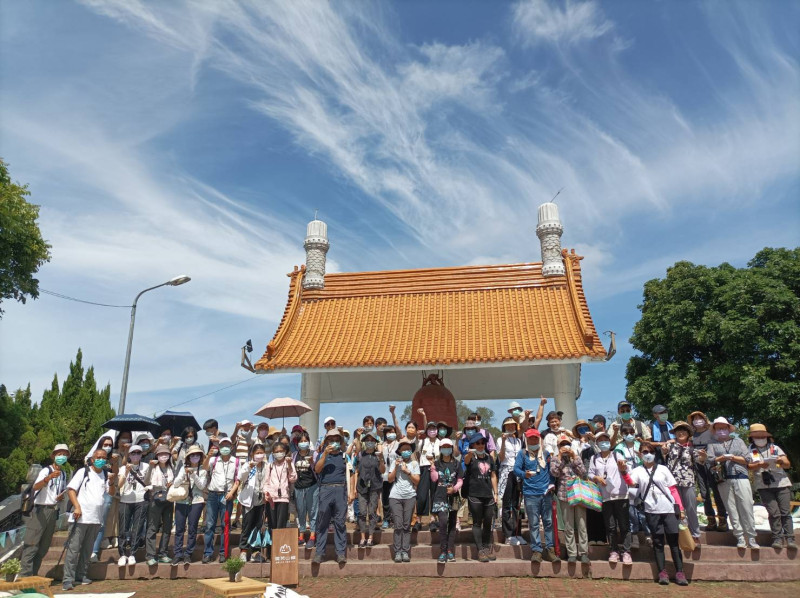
277	480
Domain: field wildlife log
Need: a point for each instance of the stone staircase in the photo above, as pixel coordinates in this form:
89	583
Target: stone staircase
716	559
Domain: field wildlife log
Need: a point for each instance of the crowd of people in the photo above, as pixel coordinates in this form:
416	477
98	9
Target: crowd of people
645	479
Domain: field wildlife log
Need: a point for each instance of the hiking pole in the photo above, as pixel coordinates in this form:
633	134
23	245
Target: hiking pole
66	543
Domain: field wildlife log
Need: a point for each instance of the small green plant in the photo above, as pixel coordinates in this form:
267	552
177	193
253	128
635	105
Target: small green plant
233	565
10	567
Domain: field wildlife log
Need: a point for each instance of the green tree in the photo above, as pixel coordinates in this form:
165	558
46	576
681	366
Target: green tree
22	248
723	340
462	413
72	413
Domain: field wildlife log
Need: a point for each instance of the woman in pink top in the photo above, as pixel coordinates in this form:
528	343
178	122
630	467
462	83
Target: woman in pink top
280	473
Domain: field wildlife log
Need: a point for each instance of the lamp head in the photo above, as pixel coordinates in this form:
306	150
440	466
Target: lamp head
179	280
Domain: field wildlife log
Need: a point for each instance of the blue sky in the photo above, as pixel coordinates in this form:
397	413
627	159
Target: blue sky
163	138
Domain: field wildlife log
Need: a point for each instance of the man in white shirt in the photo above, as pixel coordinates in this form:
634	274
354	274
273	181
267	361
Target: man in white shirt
222	487
87	491
48	490
132	505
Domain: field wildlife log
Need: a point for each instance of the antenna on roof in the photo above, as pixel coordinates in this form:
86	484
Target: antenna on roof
557	194
315	214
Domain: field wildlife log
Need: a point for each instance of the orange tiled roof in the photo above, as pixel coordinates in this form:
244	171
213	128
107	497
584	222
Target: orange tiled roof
434	317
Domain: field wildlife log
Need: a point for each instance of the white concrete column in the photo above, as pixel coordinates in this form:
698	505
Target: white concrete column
566	378
309	394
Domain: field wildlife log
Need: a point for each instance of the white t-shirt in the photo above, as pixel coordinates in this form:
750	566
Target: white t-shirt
512	447
49	494
251	480
428	447
659	499
91	495
130	489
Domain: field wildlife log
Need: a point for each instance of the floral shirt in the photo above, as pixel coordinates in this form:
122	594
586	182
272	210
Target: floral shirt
680	461
565	471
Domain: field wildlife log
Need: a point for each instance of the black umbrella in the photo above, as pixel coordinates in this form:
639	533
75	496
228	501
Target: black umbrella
177	421
131	422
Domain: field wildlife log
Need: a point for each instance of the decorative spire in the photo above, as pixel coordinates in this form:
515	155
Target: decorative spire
316	246
549	231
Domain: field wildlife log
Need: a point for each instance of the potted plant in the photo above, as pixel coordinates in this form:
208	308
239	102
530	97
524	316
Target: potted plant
11	569
234	567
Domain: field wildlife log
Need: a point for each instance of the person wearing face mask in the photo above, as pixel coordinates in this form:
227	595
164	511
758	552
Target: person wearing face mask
280	475
223	483
242	447
447	479
404	475
251	500
297	431
680	457
211	429
660	430
627	451
730	453
110	506
159	478
625	411
331	470
508	483
584	444
86	491
481	473
607	473
388	450
769	463
306	491
428	453
366	485
706	484
48	489
187	440
194	477
657	492
532	466
145	441
132	504
565	466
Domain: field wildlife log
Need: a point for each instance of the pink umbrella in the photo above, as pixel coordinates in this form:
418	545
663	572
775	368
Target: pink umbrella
283	407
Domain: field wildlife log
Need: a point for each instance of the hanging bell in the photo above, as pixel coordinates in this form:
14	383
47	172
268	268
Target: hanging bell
438	402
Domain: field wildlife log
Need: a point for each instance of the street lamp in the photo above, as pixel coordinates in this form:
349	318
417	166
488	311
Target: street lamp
174	282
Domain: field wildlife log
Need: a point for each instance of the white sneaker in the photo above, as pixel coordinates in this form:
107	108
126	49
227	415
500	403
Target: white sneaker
521	540
94	558
123	560
753	544
513	541
243	557
741	543
131	560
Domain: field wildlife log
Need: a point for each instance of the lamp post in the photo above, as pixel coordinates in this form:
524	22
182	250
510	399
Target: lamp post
178	280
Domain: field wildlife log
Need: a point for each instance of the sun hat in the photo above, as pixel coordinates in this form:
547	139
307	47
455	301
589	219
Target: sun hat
163	448
445	442
476	438
532	433
194	450
723	421
444	424
578	424
366	435
509	420
514	405
603	433
563	438
682	424
695	414
60	447
134	448
328	420
758	428
332	433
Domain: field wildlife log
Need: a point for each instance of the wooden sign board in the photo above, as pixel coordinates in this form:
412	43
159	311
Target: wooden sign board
284	566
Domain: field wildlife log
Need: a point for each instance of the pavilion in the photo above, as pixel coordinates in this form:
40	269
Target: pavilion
512	331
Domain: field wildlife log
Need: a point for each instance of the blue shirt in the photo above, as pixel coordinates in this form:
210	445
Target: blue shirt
537	484
333	472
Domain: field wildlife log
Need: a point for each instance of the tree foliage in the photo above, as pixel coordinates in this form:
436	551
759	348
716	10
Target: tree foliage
462	412
72	413
22	248
723	340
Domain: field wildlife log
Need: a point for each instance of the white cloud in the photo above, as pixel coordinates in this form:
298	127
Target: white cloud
536	21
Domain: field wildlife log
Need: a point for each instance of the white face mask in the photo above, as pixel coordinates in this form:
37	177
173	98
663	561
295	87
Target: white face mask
163	458
760	442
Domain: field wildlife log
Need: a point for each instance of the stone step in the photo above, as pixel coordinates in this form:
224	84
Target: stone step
706	571
381	552
465	537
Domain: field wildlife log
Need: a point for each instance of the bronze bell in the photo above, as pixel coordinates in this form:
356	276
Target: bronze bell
438	402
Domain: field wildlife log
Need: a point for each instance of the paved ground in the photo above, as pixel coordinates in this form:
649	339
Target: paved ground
400	587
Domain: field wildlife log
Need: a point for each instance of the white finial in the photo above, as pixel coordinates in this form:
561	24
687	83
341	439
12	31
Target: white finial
316	246
549	231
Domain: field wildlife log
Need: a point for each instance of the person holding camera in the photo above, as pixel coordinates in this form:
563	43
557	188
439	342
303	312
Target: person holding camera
192	477
159	478
132	504
366	485
769	463
566	465
730	453
251	499
680	457
404	475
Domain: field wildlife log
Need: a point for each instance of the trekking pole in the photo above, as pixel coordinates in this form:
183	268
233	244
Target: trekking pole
69	537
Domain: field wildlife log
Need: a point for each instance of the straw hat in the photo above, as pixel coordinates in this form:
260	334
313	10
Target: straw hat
682	424
759	428
721	421
195	449
578	424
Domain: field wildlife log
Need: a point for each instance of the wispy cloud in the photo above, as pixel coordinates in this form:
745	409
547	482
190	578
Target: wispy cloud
537	21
